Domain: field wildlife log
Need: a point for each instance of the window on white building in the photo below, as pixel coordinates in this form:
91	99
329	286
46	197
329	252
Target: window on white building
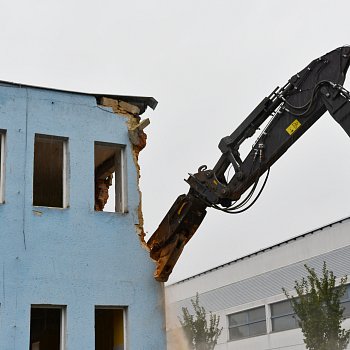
110	179
247	323
109	328
345	302
283	316
50	171
2	166
47	327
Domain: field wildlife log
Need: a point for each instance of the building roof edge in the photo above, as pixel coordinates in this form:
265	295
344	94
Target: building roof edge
308	233
141	101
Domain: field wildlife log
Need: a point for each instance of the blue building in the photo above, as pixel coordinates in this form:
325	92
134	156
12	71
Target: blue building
75	271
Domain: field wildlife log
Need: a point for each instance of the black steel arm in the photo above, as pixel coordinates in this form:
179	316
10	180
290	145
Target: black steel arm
288	112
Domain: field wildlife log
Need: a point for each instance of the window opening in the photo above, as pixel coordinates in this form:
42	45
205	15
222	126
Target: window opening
109	329
283	316
247	323
110	187
345	302
47	328
2	166
50	171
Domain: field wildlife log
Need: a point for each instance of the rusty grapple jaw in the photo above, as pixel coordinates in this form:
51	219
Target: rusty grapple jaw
176	229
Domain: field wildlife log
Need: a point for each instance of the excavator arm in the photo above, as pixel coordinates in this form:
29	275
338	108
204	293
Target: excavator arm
286	114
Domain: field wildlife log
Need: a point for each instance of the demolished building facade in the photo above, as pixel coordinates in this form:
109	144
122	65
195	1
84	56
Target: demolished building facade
74	275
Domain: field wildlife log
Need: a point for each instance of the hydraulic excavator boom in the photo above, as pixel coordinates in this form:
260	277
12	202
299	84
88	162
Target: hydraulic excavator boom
289	112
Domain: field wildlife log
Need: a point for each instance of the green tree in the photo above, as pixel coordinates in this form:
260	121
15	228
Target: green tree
202	332
320	314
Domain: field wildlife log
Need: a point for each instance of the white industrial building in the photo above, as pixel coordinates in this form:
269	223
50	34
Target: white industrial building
247	293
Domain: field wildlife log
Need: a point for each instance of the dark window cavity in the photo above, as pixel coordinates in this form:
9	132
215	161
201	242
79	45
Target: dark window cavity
47	328
50	171
2	166
109	329
110	186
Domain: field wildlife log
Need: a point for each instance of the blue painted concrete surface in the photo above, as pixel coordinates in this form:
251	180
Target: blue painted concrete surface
75	257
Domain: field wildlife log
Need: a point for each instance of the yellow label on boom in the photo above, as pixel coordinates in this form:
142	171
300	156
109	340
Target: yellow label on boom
293	127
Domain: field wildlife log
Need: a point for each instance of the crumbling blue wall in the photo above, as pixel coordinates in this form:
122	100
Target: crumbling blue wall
75	257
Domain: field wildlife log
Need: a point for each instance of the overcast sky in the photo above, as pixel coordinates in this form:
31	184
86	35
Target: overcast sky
208	63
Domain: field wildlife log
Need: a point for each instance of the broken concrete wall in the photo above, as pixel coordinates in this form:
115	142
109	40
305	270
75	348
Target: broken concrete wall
74	256
137	138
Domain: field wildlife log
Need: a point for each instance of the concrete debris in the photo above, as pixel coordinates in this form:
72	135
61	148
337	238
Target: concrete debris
137	136
120	107
101	192
138	140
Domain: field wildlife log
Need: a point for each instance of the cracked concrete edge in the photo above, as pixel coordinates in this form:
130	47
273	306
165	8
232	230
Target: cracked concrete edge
131	113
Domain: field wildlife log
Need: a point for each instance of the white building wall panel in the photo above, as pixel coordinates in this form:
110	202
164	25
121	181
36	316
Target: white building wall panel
270	283
257	280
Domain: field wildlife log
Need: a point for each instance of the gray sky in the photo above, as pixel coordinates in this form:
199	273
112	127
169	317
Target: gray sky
208	63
